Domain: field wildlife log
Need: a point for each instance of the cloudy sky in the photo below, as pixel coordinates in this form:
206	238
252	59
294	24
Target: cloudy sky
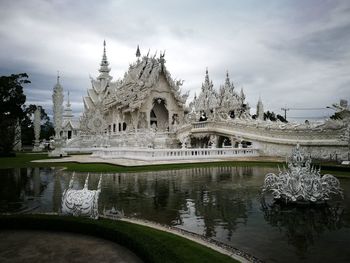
293	53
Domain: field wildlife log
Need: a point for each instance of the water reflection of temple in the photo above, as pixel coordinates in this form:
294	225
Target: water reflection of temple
201	199
22	188
302	225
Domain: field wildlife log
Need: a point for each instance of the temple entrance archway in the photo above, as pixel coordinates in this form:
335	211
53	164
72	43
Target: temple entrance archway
224	141
159	115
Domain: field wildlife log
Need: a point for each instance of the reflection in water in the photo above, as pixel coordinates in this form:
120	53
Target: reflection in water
21	189
221	203
302	225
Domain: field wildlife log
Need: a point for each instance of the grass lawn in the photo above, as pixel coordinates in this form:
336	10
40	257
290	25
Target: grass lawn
151	245
23	160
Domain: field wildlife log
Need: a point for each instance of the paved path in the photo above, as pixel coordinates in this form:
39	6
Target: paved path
41	246
133	162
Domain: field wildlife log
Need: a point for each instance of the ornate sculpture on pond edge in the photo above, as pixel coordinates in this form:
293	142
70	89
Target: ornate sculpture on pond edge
301	182
82	202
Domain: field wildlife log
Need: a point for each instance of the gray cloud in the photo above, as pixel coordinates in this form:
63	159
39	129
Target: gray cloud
293	53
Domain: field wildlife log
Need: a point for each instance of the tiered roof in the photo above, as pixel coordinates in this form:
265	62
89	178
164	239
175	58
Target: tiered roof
130	93
226	100
208	98
140	80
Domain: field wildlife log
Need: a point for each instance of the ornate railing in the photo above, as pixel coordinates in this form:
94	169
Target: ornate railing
172	154
263	132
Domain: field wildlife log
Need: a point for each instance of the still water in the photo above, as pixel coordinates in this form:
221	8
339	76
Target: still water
221	203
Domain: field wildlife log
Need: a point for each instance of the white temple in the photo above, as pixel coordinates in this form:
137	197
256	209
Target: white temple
145	114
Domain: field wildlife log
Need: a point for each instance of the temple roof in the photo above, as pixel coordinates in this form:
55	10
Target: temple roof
140	80
69	123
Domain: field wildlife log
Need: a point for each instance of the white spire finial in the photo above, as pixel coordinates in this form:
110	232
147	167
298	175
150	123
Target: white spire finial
206	76
58	77
68	100
138	53
104	69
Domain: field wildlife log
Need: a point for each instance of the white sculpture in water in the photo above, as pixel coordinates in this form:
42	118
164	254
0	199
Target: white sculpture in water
301	182
82	202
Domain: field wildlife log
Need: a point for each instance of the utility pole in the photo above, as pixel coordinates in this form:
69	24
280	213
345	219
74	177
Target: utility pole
285	109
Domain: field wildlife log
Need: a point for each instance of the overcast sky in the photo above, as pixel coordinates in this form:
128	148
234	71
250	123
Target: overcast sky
292	53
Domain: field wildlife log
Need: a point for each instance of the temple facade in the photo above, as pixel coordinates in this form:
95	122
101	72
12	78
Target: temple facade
146	98
146	109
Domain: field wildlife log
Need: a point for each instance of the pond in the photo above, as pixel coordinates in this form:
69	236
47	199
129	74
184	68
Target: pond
222	203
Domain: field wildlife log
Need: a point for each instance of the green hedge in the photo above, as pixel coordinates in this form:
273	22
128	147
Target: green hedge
151	245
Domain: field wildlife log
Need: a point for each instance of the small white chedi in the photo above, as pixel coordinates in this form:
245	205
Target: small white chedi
301	182
82	202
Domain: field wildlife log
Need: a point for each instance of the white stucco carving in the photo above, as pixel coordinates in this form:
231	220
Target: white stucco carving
147	109
82	202
57	98
301	182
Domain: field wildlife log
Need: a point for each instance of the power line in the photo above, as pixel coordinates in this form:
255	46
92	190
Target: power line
307	117
307	108
285	109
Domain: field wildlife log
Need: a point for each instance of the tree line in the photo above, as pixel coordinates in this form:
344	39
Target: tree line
15	115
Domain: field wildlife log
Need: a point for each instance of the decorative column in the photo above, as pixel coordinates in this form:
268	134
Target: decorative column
37	119
57	99
233	141
18	137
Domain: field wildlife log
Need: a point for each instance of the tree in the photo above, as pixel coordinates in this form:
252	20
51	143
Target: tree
270	116
12	101
336	116
273	117
281	118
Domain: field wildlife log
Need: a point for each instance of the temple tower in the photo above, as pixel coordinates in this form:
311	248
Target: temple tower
57	98
260	110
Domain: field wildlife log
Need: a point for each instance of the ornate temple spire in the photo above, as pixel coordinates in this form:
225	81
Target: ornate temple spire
207	99
138	53
260	109
227	80
207	76
68	110
104	69
242	95
58	77
57	98
68	101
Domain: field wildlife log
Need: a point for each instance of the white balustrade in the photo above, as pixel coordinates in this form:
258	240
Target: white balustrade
173	154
